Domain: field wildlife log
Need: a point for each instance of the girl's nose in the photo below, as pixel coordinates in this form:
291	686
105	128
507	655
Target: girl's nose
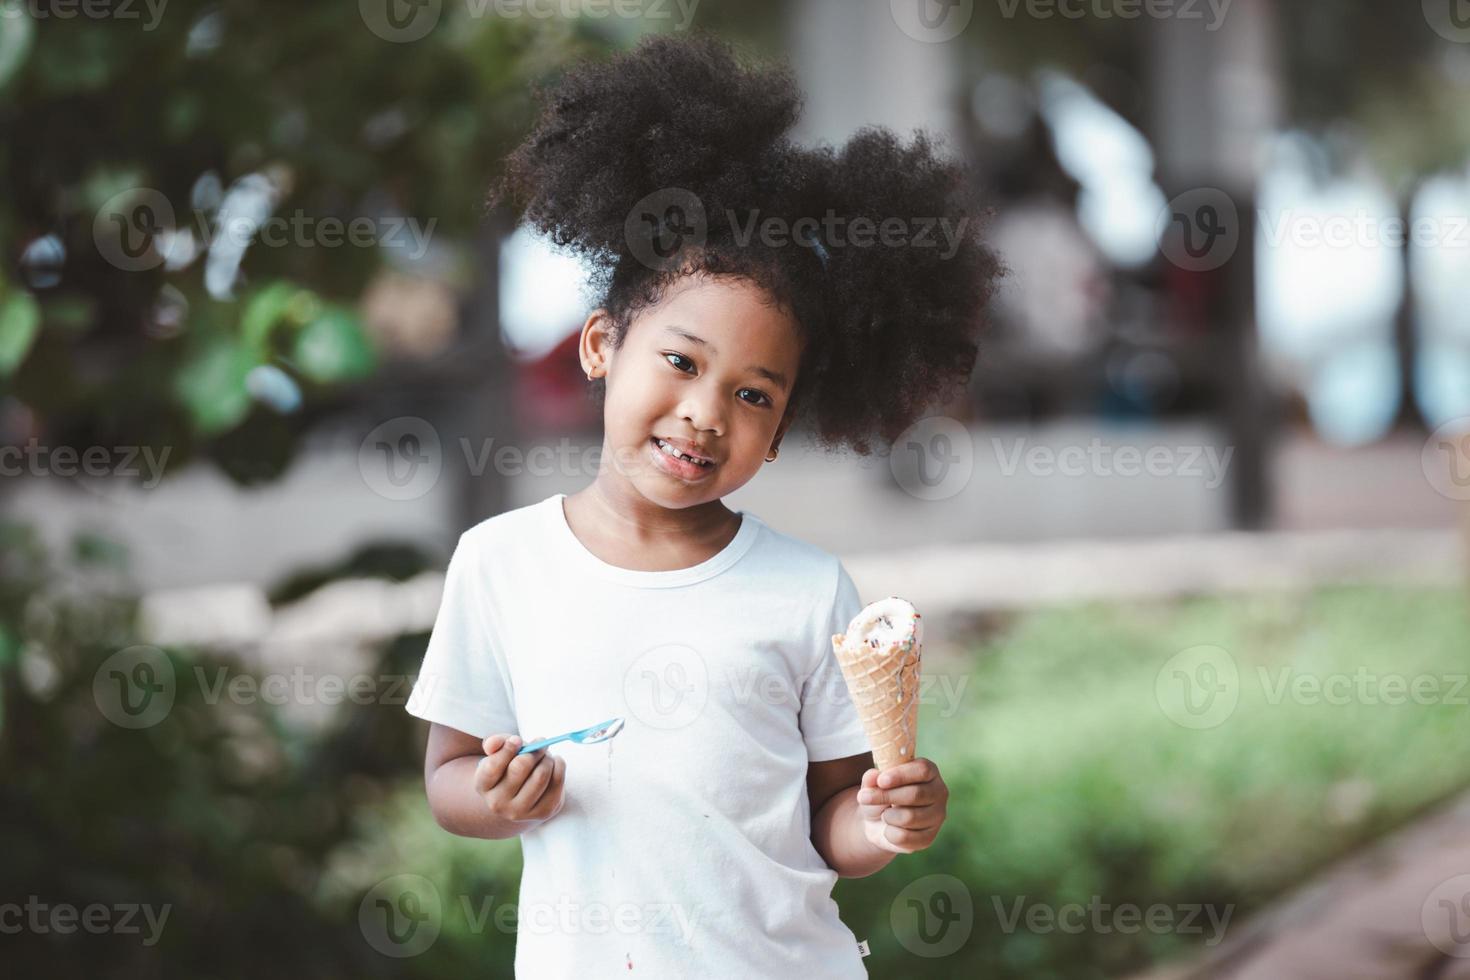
704	412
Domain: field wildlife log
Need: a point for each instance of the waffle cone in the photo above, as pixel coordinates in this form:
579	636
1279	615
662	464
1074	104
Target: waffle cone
883	680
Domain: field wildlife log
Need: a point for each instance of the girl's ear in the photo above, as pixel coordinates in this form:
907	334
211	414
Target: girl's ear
595	347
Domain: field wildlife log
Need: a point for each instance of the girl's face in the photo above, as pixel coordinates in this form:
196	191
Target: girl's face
709	371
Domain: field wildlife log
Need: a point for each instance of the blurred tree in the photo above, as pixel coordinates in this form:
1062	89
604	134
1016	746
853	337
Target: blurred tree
141	300
1344	62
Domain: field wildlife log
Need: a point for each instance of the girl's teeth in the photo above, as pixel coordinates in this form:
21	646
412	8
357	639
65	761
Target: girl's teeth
671	451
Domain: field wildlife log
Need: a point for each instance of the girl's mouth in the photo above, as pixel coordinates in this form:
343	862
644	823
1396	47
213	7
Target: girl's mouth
679	465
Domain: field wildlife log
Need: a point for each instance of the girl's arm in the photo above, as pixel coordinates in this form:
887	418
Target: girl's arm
837	830
483	789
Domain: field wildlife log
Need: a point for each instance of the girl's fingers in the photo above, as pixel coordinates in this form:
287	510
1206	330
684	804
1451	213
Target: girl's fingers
916	771
907	840
536	781
913	817
550	803
492	769
486	775
517	768
918	794
869	785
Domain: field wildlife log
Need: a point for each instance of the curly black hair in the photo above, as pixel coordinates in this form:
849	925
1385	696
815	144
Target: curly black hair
678	140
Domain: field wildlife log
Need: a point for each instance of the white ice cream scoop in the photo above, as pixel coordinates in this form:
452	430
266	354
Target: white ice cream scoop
886	621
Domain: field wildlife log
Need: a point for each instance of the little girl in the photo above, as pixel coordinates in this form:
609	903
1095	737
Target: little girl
744	283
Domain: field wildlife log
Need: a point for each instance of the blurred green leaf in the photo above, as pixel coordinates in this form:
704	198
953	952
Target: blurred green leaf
72	314
333	347
20	317
88	62
183	114
212	387
264	311
303	308
94	549
105	183
16	31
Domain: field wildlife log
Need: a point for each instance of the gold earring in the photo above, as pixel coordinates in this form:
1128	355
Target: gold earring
774	453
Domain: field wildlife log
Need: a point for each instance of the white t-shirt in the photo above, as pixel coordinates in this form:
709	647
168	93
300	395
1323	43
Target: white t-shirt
684	844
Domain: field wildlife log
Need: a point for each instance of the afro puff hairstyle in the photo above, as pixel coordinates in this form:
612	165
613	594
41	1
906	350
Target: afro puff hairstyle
678	137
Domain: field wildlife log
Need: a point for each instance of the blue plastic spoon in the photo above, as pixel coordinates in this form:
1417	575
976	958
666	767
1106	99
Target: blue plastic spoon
597	733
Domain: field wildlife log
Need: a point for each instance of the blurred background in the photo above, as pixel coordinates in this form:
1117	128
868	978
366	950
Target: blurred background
1193	547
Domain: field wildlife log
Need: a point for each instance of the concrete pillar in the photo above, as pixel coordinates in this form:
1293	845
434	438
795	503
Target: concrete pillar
1215	98
857	67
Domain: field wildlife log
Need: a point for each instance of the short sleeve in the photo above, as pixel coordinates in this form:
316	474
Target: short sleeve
464	682
830	725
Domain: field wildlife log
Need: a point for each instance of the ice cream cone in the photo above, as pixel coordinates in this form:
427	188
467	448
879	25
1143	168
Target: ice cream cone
879	655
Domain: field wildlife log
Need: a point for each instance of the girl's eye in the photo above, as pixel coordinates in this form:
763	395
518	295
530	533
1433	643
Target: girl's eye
760	397
680	357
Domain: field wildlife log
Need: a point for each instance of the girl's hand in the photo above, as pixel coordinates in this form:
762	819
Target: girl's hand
903	808
525	789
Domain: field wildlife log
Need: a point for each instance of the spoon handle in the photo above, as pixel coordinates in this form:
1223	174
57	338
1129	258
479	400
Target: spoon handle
533	746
